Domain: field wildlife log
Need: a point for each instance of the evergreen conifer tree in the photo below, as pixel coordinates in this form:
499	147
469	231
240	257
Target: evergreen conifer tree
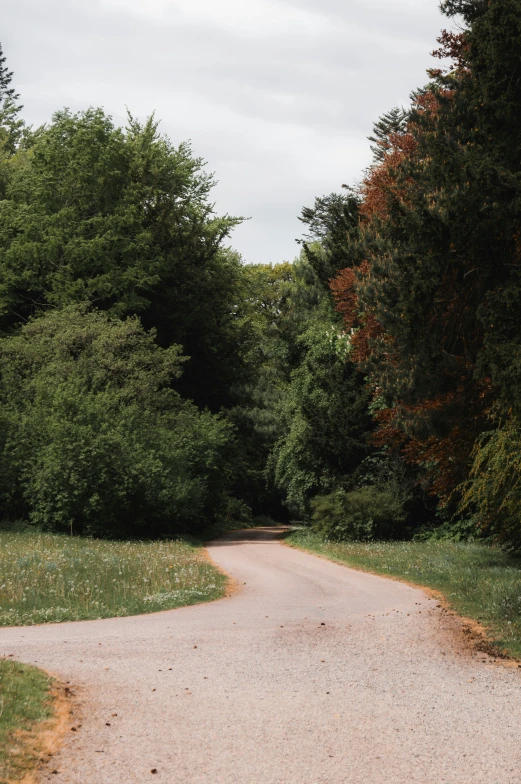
7	93
10	124
392	122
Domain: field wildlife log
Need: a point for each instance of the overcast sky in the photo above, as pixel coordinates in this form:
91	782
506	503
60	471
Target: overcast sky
277	95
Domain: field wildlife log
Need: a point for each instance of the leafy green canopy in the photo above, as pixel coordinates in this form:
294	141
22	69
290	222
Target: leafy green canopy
122	219
93	438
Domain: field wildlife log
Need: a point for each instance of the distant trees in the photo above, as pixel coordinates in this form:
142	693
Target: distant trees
307	406
324	416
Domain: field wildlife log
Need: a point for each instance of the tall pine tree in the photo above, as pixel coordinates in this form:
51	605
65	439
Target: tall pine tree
10	123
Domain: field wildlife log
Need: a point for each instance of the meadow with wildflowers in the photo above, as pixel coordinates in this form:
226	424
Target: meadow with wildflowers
50	578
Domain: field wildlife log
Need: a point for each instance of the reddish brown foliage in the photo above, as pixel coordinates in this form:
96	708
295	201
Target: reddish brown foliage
364	339
445	458
367	327
381	184
344	294
428	102
453	46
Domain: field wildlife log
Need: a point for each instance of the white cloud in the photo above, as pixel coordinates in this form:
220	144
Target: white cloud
278	95
254	18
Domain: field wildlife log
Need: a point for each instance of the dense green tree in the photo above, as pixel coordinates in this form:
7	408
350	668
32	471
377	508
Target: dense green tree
122	219
444	278
492	494
332	232
433	307
94	440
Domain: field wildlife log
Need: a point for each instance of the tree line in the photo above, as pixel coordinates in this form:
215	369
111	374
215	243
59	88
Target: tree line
153	384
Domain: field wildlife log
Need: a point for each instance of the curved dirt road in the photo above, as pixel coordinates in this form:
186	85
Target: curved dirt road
311	673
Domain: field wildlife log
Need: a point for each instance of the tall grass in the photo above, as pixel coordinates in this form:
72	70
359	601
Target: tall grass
50	578
479	581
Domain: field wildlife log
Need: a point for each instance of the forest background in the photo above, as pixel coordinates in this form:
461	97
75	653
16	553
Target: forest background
152	384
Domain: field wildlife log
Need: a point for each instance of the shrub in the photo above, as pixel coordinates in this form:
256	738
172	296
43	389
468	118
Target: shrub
493	491
93	438
362	514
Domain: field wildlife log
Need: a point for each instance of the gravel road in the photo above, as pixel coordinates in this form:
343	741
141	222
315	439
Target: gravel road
309	673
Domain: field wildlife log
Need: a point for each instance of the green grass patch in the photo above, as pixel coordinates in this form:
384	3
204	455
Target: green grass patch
478	581
25	701
46	578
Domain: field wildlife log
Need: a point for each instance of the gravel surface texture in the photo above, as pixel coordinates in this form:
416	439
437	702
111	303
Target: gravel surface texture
309	673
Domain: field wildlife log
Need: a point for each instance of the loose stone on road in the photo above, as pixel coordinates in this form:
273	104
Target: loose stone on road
309	673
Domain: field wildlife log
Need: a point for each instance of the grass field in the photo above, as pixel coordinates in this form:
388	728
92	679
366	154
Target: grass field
47	578
25	701
478	581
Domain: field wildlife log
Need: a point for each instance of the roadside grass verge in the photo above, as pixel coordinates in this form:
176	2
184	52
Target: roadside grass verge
25	702
47	578
478	581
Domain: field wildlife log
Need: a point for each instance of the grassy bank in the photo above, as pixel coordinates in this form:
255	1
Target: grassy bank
478	581
25	701
46	578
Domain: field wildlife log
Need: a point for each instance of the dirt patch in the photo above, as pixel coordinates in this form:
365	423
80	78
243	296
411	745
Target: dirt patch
43	742
473	636
232	586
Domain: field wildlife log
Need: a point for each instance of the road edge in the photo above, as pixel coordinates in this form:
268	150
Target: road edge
472	634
